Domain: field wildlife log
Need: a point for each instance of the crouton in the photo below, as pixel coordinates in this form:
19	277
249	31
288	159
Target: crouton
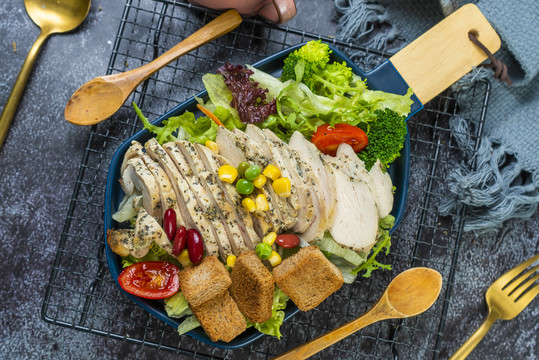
252	287
221	318
308	277
202	283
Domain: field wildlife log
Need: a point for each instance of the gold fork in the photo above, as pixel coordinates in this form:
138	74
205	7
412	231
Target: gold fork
506	298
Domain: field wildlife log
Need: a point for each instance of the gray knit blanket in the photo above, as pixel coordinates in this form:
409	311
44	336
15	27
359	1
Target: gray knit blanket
504	183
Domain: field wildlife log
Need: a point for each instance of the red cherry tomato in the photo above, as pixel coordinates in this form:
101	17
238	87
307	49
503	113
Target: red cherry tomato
179	241
169	223
150	279
327	139
195	246
287	241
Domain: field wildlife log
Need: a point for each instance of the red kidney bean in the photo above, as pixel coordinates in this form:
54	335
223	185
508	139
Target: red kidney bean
195	246
169	224
287	240
180	239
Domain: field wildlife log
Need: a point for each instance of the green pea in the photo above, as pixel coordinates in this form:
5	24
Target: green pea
252	172
242	167
263	250
244	187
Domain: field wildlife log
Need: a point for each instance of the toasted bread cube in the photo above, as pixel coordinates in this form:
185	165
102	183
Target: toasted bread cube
308	277
202	283
252	287
221	318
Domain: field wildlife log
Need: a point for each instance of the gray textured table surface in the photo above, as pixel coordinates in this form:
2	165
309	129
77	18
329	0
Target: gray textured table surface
39	163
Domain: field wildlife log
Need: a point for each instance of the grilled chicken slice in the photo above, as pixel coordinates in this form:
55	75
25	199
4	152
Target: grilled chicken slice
245	222
208	179
206	206
235	148
136	176
324	178
302	175
379	182
121	240
355	225
289	209
281	213
137	242
166	191
190	212
133	151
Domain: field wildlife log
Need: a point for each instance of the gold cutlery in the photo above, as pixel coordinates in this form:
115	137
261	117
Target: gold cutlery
506	298
53	17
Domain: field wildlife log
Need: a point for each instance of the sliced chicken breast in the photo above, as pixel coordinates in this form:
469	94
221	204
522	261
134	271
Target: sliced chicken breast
133	151
288	209
355	224
301	175
239	148
166	191
379	182
209	181
137	177
206	206
190	212
147	231
245	222
324	178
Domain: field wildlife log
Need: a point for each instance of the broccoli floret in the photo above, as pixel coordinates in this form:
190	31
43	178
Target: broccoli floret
315	54
386	136
319	75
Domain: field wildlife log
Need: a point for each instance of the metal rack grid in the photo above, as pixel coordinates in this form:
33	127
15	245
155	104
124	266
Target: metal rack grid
81	293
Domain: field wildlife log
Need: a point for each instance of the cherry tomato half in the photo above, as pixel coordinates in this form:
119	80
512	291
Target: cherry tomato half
327	139
150	279
287	241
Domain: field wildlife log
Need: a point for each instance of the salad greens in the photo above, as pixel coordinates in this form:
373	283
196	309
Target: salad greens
273	325
311	91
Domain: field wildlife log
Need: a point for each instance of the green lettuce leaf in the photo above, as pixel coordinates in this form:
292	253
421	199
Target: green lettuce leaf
219	93
382	244
273	325
156	253
176	306
184	126
329	245
188	324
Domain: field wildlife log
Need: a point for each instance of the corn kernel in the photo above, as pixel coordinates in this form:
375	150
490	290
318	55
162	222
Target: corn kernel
282	187
260	181
272	172
262	203
228	173
183	258
274	259
270	238
248	204
212	145
231	260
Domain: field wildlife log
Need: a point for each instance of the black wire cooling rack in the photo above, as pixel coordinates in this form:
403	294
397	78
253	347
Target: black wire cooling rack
81	293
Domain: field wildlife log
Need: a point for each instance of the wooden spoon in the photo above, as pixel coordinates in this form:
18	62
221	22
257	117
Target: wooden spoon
101	97
412	292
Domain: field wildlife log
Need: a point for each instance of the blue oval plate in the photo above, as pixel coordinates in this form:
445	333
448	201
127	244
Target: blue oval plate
114	194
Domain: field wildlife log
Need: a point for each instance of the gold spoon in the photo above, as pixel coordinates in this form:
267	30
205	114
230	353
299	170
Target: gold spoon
101	97
53	17
409	294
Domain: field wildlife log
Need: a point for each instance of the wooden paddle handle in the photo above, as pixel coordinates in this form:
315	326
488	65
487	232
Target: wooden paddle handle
442	55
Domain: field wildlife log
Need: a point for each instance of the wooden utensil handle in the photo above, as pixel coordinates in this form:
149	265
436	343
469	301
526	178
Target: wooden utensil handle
379	311
219	26
442	55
